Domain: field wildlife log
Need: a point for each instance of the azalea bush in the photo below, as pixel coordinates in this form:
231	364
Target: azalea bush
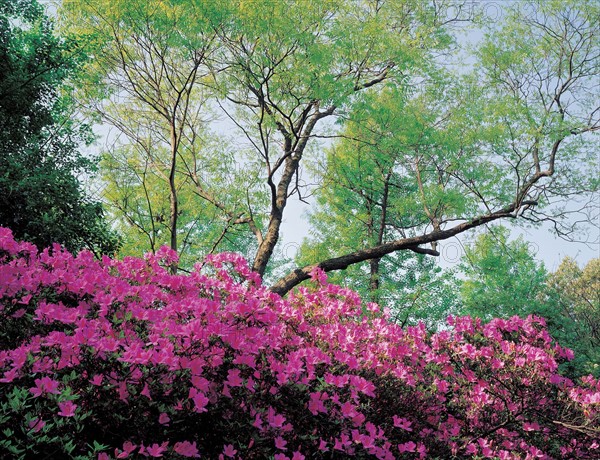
121	359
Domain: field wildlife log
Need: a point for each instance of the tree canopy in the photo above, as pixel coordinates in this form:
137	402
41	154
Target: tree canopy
41	197
500	278
358	98
576	294
422	154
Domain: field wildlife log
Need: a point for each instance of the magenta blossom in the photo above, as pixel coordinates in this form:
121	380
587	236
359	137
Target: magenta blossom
211	364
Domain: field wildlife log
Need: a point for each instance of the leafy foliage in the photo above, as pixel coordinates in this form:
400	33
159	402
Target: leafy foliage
41	198
138	193
105	359
381	182
503	278
169	178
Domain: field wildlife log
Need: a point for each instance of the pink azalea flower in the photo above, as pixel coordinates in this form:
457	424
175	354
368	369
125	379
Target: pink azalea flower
36	424
257	423
163	419
96	380
402	423
407	447
234	379
10	375
229	451
534	426
200	400
315	404
128	448
187	449
19	313
280	443
67	409
157	450
25	299
146	391
471	449
275	420
45	385
348	409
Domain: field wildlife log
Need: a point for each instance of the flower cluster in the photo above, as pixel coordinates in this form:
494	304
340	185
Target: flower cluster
120	359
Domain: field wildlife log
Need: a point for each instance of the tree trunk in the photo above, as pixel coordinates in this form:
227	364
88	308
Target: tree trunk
374	280
278	203
173	194
293	152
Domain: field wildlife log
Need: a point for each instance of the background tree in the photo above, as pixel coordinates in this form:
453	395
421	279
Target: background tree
292	65
373	190
41	197
280	68
501	278
136	187
152	68
577	293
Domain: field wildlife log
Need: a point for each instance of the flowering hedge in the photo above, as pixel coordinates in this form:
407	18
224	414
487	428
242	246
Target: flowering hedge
117	359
